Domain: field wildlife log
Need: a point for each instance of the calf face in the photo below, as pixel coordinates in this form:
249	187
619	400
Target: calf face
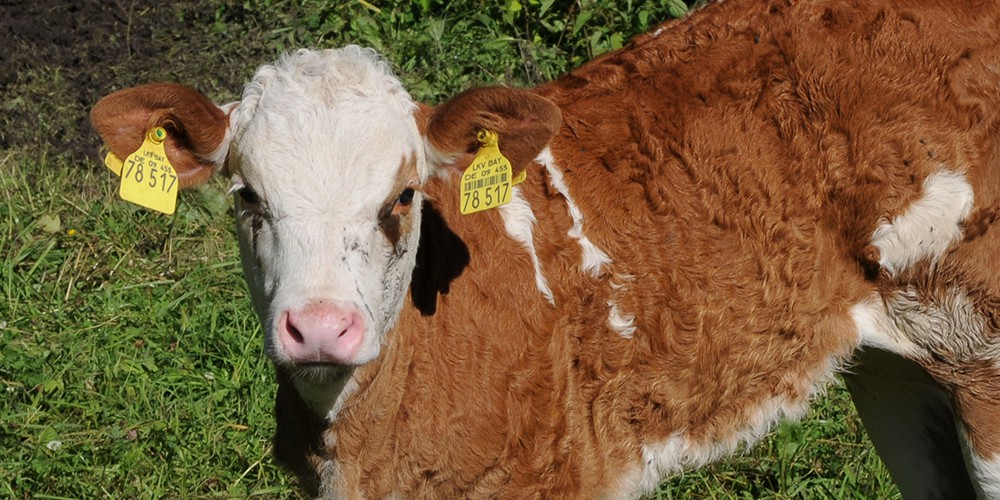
326	163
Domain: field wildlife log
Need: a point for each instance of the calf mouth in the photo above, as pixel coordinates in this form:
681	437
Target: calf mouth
319	372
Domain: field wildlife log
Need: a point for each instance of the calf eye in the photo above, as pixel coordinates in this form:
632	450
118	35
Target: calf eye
405	198
402	205
250	198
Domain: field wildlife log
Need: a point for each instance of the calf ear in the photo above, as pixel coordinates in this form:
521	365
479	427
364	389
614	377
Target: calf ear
524	122
197	129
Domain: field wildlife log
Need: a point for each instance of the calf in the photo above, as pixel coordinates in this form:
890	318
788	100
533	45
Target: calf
713	222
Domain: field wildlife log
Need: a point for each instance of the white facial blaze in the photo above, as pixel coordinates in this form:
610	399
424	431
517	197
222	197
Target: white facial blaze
314	258
324	139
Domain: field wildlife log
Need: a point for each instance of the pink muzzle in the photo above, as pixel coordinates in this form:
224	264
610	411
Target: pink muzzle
321	333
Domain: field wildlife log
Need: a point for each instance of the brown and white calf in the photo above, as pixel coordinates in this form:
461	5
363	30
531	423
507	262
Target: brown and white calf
716	220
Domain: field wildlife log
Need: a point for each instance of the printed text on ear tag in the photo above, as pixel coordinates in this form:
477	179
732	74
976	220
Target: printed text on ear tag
487	182
148	179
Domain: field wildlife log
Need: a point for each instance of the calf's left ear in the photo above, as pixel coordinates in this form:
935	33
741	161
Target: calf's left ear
197	129
525	122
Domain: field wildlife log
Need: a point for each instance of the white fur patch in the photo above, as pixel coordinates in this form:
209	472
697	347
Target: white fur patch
623	324
594	259
437	159
914	326
928	226
985	471
519	221
876	329
678	453
986	475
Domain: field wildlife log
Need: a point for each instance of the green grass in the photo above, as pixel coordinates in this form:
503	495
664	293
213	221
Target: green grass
131	363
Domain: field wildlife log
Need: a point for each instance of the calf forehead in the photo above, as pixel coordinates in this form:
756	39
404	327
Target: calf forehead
326	127
339	160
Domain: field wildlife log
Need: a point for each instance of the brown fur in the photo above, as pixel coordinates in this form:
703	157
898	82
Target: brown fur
195	126
526	121
973	377
733	165
736	166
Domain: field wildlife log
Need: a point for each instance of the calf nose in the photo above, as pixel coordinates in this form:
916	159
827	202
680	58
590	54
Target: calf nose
321	333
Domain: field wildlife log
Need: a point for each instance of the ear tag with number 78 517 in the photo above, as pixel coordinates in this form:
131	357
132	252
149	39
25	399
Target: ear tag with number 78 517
148	178
487	182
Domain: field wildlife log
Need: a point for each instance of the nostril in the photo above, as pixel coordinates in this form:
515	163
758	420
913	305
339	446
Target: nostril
347	327
294	332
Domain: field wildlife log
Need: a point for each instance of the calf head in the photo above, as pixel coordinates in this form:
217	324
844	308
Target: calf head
327	155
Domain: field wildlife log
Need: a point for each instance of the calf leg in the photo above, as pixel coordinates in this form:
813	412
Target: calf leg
977	396
911	422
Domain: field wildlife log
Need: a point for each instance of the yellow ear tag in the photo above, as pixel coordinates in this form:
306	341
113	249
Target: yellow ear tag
114	163
148	179
487	182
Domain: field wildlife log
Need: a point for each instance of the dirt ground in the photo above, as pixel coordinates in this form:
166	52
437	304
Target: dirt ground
58	57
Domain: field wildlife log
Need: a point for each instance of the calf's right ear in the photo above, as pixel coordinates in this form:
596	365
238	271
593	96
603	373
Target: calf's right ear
198	131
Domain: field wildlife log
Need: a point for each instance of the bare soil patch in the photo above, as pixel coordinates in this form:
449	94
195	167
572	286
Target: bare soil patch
58	58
